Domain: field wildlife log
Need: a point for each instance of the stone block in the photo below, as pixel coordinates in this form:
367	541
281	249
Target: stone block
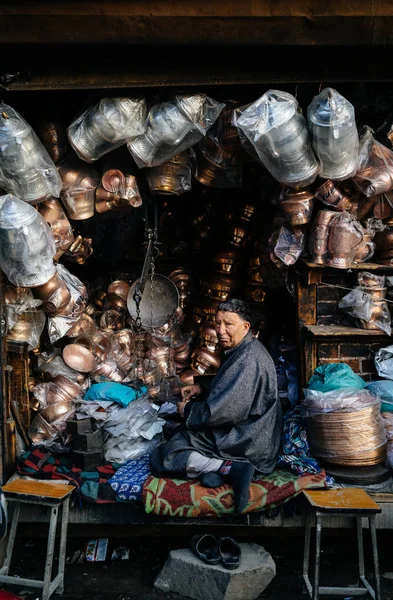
185	574
87	442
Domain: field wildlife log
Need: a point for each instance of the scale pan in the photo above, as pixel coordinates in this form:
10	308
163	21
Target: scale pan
160	300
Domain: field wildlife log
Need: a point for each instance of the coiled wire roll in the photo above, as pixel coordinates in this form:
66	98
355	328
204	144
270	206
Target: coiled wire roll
348	438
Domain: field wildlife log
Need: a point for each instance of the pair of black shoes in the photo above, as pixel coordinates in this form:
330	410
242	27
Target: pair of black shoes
213	551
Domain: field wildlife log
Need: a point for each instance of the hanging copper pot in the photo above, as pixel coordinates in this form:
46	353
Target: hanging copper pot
218	287
61	228
119	287
163	357
319	236
54	138
110	370
113	320
56	411
228	262
298	206
203	361
79	358
187	376
54	294
330	195
171	178
115	302
79	184
68	387
85	326
208	336
255	292
238	233
80	250
113	180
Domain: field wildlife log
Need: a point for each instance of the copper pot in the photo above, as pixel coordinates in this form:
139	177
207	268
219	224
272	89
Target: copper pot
54	294
55	216
56	411
115	302
331	196
91	310
345	237
319	236
163	357
203	361
384	240
379	312
53	136
376	293
255	292
23	328
205	310
254	276
238	233
80	250
219	287
119	287
298	206
110	370
85	326
208	336
79	184
79	358
227	262
366	248
70	388
171	177
187	377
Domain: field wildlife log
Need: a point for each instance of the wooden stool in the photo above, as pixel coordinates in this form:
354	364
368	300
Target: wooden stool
351	502
43	494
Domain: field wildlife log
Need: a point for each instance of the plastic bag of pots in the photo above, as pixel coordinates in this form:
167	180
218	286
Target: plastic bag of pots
172	127
375	167
79	187
286	245
332	126
106	126
217	166
279	135
172	178
25	320
27	245
335	239
26	169
371	312
67	316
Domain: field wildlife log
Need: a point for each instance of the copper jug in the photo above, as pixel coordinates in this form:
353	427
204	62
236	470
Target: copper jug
345	237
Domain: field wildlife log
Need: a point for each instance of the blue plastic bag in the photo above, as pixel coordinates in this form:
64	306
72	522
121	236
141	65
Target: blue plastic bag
383	389
335	376
115	392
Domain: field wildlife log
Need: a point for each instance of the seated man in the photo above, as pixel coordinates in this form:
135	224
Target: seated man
234	428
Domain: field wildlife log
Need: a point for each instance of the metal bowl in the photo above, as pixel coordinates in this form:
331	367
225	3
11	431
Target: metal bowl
79	358
159	301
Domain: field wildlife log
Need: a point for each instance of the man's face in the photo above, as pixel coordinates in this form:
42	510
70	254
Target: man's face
230	329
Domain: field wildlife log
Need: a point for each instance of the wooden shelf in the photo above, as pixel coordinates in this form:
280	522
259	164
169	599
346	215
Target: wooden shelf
368	266
321	331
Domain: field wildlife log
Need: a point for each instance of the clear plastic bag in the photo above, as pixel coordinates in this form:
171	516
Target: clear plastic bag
26	169
25	320
79	186
171	178
372	313
59	325
384	362
287	245
53	365
27	246
279	135
42	433
343	400
375	166
172	127
106	126
345	235
344	426
334	136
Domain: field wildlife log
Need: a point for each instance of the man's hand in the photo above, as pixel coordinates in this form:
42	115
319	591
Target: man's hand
189	391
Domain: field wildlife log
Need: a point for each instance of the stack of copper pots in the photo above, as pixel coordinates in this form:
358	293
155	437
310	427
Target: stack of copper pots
182	279
255	290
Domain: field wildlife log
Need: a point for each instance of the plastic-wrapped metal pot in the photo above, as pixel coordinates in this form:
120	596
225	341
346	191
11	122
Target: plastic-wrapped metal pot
79	186
331	121
61	228
27	246
26	169
106	126
279	135
172	127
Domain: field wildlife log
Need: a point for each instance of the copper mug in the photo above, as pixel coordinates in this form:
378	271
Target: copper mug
79	184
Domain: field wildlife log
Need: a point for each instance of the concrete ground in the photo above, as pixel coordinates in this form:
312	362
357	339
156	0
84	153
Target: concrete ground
133	579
